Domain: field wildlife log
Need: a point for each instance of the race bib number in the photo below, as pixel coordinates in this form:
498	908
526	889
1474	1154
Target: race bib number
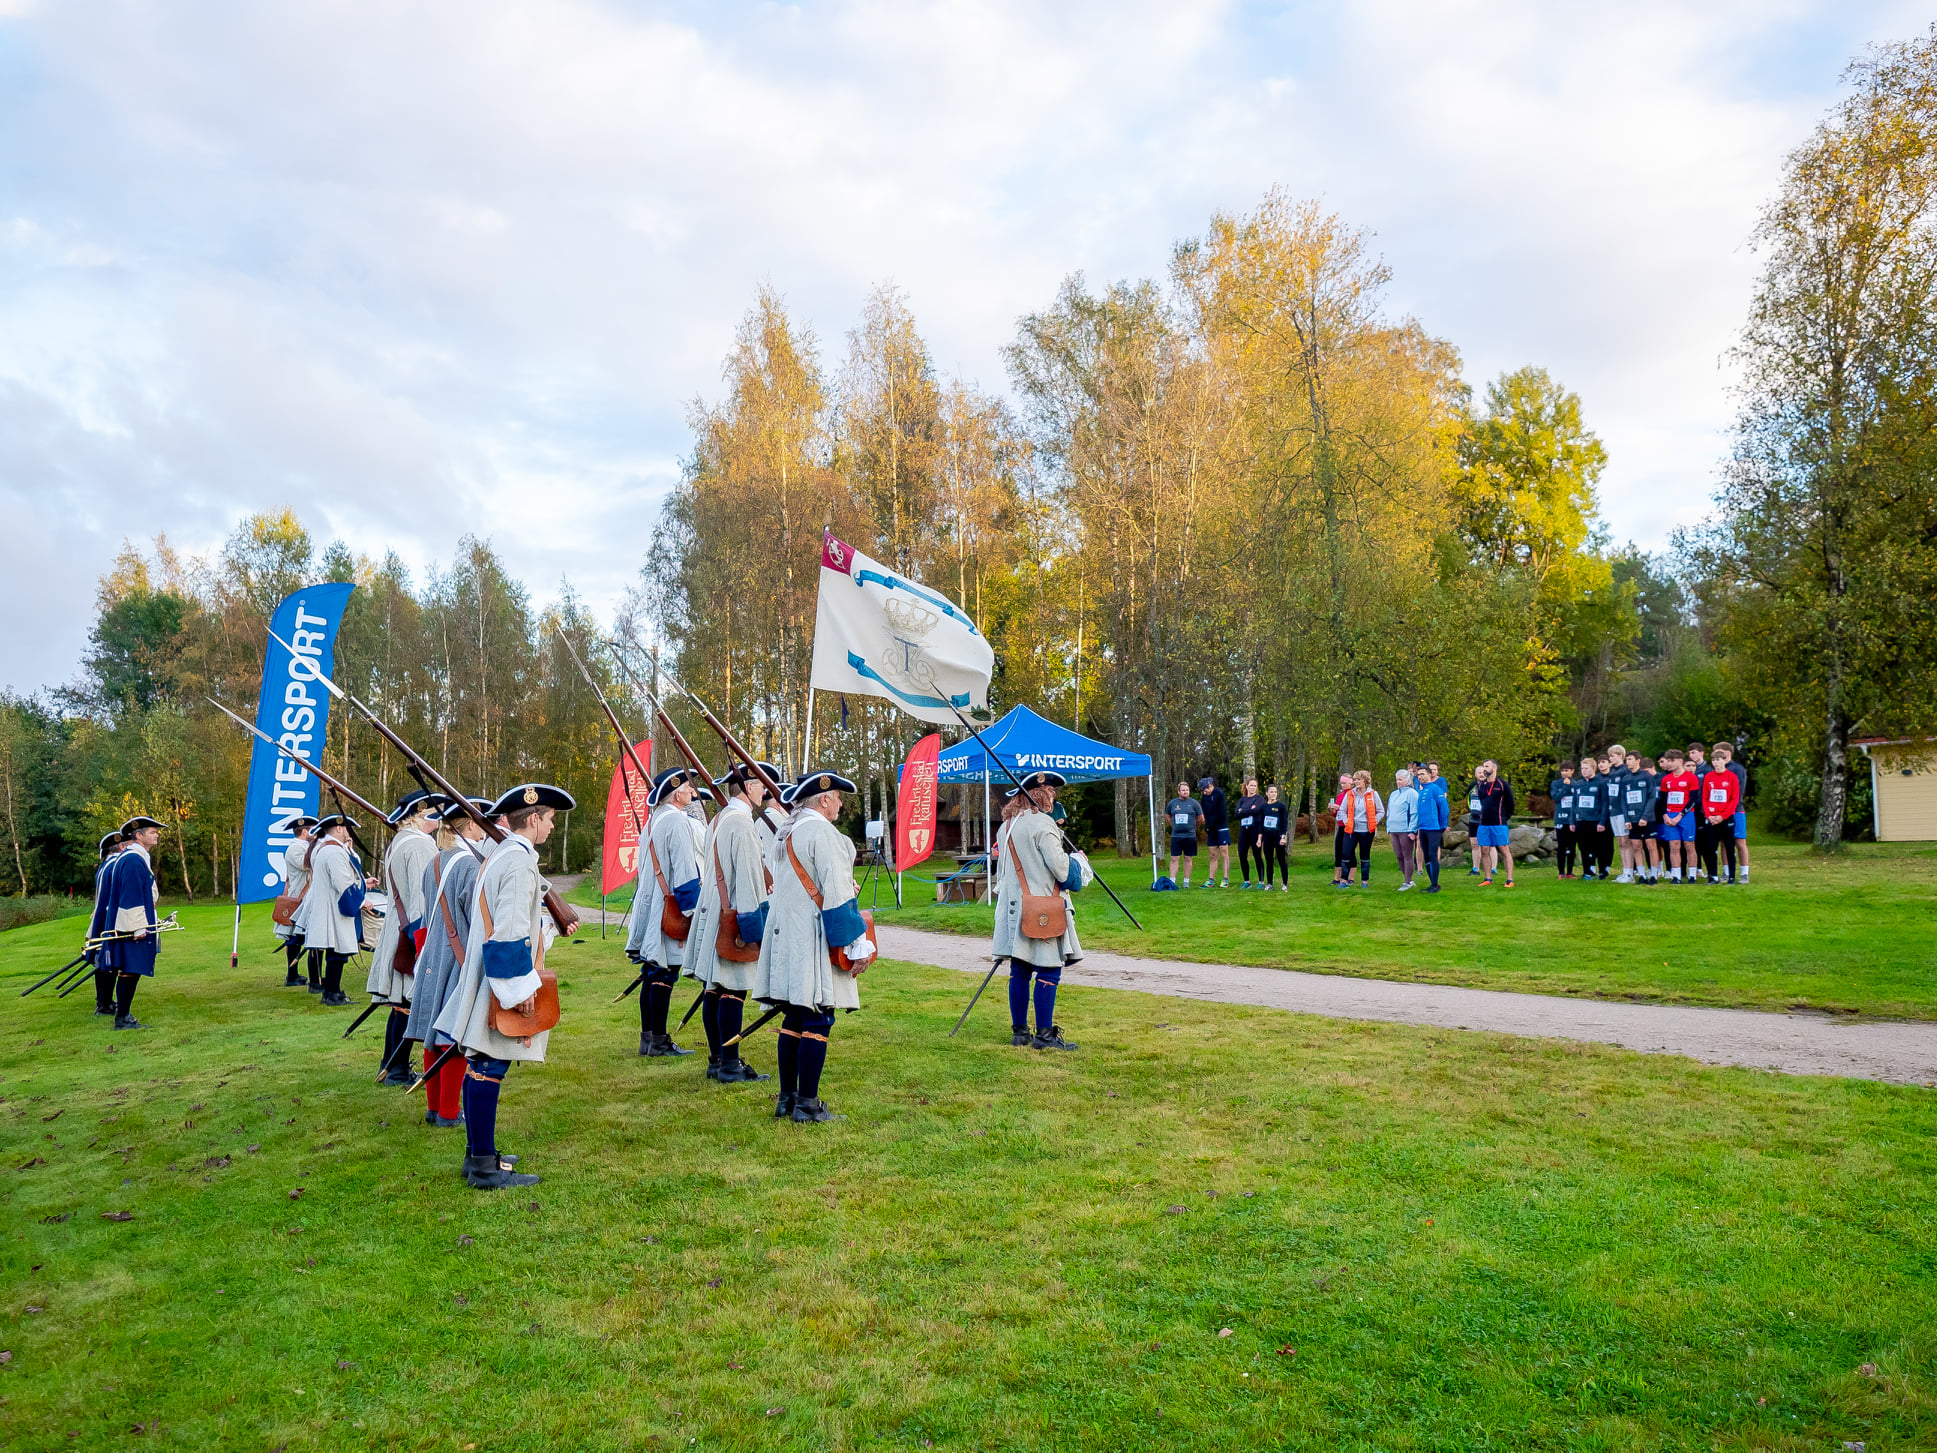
1244	822
1718	794
1182	819
1635	794
1675	796
1567	802
1472	804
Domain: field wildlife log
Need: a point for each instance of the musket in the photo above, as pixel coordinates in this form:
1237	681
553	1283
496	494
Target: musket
428	777
993	966
363	1016
752	1028
679	739
635	984
315	771
697	998
435	1065
79	958
625	742
728	740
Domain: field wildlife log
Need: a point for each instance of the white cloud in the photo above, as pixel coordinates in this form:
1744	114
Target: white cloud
420	270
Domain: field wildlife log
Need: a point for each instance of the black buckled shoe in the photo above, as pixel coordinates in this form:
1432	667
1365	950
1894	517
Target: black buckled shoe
313	987
783	1105
1053	1040
104	1011
337	1000
813	1112
126	1021
668	1049
397	1076
713	1065
442	1124
1021	1038
294	981
645	1046
737	1071
490	1173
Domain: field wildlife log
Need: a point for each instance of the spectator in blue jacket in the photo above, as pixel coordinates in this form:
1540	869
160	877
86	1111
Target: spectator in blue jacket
1435	811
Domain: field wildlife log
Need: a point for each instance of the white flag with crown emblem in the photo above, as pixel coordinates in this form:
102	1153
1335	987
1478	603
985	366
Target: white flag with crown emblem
877	633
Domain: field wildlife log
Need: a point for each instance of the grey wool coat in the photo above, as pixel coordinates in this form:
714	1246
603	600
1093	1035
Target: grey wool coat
733	842
510	897
411	853
333	868
794	967
677	838
450	883
1047	869
295	878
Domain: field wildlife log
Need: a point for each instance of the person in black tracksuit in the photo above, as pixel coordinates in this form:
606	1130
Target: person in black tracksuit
1591	833
1274	834
1248	809
1561	790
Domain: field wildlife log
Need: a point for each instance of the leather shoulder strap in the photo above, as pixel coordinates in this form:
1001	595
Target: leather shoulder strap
652	848
805	881
1010	843
444	909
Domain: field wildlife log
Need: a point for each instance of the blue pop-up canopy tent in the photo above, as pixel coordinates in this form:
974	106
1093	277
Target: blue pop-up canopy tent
1027	742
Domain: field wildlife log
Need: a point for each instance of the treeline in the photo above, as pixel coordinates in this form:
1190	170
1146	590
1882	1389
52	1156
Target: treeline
459	662
1242	517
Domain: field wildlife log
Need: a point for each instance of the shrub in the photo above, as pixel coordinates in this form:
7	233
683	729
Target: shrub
19	912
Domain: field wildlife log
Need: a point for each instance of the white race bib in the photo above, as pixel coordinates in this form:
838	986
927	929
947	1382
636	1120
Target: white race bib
1182	819
1635	794
1718	794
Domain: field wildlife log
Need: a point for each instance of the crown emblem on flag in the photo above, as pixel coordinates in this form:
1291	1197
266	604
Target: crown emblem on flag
910	618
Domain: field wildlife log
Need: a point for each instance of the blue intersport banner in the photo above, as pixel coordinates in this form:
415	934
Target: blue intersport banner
295	710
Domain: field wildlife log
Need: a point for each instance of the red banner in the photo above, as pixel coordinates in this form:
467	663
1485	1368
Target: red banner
621	855
916	801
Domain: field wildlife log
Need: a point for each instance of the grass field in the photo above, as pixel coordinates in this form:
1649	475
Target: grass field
1850	934
1416	1239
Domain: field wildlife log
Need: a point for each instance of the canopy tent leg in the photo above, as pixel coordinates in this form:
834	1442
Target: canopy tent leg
1150	785
988	841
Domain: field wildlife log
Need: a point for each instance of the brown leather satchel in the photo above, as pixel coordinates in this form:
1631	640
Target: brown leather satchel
283	910
1041	917
674	924
544	1010
403	958
835	956
727	943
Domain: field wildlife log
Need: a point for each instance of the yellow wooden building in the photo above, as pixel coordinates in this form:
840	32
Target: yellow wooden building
1903	783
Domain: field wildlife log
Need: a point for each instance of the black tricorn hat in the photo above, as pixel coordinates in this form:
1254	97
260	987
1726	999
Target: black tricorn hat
1044	778
136	823
110	840
532	794
294	821
821	779
671	780
453	810
336	819
741	772
412	803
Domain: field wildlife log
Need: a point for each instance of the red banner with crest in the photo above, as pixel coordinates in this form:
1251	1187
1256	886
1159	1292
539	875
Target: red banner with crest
916	803
621	855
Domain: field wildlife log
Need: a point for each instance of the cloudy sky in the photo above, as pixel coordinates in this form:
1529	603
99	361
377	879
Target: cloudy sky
421	269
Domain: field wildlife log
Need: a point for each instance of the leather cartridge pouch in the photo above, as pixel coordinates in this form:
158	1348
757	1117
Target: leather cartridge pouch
835	956
283	910
404	959
544	1010
727	943
1041	917
674	924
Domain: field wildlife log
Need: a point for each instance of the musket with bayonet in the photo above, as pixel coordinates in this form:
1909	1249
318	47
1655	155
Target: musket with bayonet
626	751
428	777
337	789
679	740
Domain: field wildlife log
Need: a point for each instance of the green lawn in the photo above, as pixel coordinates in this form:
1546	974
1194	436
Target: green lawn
1851	934
1417	1239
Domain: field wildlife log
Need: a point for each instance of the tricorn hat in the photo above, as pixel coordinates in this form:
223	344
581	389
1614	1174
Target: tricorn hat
136	823
671	780
110	840
532	794
1043	777
336	819
294	821
413	803
821	779
740	772
454	810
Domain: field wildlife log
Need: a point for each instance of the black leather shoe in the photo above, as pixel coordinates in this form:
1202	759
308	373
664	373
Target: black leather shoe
314	987
813	1112
104	1011
738	1072
713	1066
294	981
489	1173
126	1021
783	1105
1054	1039
670	1050
398	1077
645	1045
430	1117
1021	1038
335	1001
442	1124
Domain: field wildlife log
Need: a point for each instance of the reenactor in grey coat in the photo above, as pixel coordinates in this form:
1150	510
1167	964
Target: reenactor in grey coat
449	886
331	918
669	874
393	961
295	884
1034	863
503	953
814	911
734	884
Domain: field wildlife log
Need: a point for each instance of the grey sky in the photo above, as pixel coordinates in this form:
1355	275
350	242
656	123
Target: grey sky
423	269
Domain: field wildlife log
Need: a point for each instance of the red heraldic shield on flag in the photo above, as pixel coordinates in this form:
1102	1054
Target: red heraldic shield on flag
915	803
621	863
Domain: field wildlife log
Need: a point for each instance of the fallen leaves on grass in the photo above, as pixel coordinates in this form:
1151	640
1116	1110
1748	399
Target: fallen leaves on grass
117	1215
297	1194
716	1281
775	1412
1226	1332
1173	1210
37	1160
55	1220
254	1148
5	1358
1287	1351
215	1162
55	1116
344	1364
464	1241
1868	1369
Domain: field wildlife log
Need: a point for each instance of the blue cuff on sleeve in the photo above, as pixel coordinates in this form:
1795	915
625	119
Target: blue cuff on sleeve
686	895
507	960
411	925
753	926
844	924
1074	882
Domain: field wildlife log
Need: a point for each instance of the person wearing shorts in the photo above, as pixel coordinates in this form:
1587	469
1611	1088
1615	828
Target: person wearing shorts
1725	758
1496	818
1183	814
1217	831
1721	800
1676	794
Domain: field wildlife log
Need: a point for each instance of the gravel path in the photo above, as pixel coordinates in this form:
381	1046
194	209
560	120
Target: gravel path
1798	1044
